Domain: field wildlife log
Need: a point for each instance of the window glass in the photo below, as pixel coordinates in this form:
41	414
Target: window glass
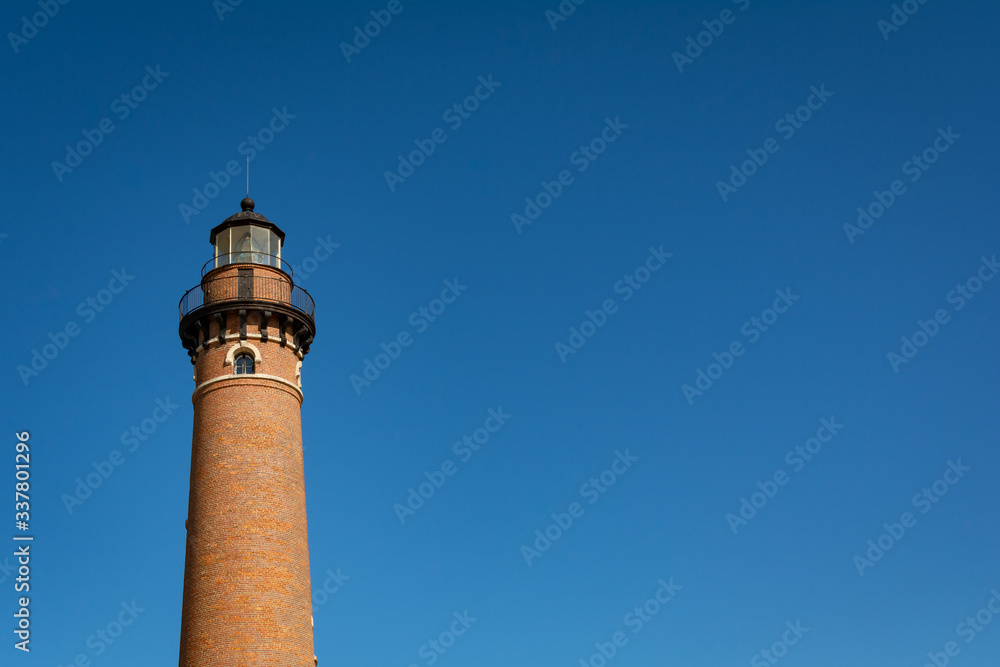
243	364
275	245
260	235
241	244
222	248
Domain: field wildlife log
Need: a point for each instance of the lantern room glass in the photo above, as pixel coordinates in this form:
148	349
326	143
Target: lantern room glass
247	244
222	248
275	248
259	243
242	245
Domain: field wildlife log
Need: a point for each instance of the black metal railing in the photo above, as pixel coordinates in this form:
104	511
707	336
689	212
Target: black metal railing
224	289
246	257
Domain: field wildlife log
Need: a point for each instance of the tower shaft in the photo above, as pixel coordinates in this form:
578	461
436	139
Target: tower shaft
247	597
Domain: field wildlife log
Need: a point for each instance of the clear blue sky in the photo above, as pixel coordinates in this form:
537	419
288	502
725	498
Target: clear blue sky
389	245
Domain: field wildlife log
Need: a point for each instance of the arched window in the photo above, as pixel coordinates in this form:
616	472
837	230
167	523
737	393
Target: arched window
243	364
244	357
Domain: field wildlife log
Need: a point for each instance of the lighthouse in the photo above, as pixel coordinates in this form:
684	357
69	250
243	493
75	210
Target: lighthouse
247	328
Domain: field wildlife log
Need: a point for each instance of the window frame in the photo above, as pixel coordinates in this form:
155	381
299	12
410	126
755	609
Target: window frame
241	360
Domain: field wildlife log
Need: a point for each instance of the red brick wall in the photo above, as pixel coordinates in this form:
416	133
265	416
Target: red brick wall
268	283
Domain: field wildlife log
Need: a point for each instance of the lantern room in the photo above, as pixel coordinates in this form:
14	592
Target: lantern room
247	238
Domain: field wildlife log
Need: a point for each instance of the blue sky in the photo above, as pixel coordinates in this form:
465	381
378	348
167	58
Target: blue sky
869	100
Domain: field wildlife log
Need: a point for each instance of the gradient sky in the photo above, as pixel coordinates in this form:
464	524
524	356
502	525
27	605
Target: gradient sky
389	250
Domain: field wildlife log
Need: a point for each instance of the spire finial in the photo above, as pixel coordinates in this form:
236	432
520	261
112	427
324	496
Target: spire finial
248	178
247	204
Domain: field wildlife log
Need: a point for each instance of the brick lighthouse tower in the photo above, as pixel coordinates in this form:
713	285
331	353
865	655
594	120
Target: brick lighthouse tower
247	327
